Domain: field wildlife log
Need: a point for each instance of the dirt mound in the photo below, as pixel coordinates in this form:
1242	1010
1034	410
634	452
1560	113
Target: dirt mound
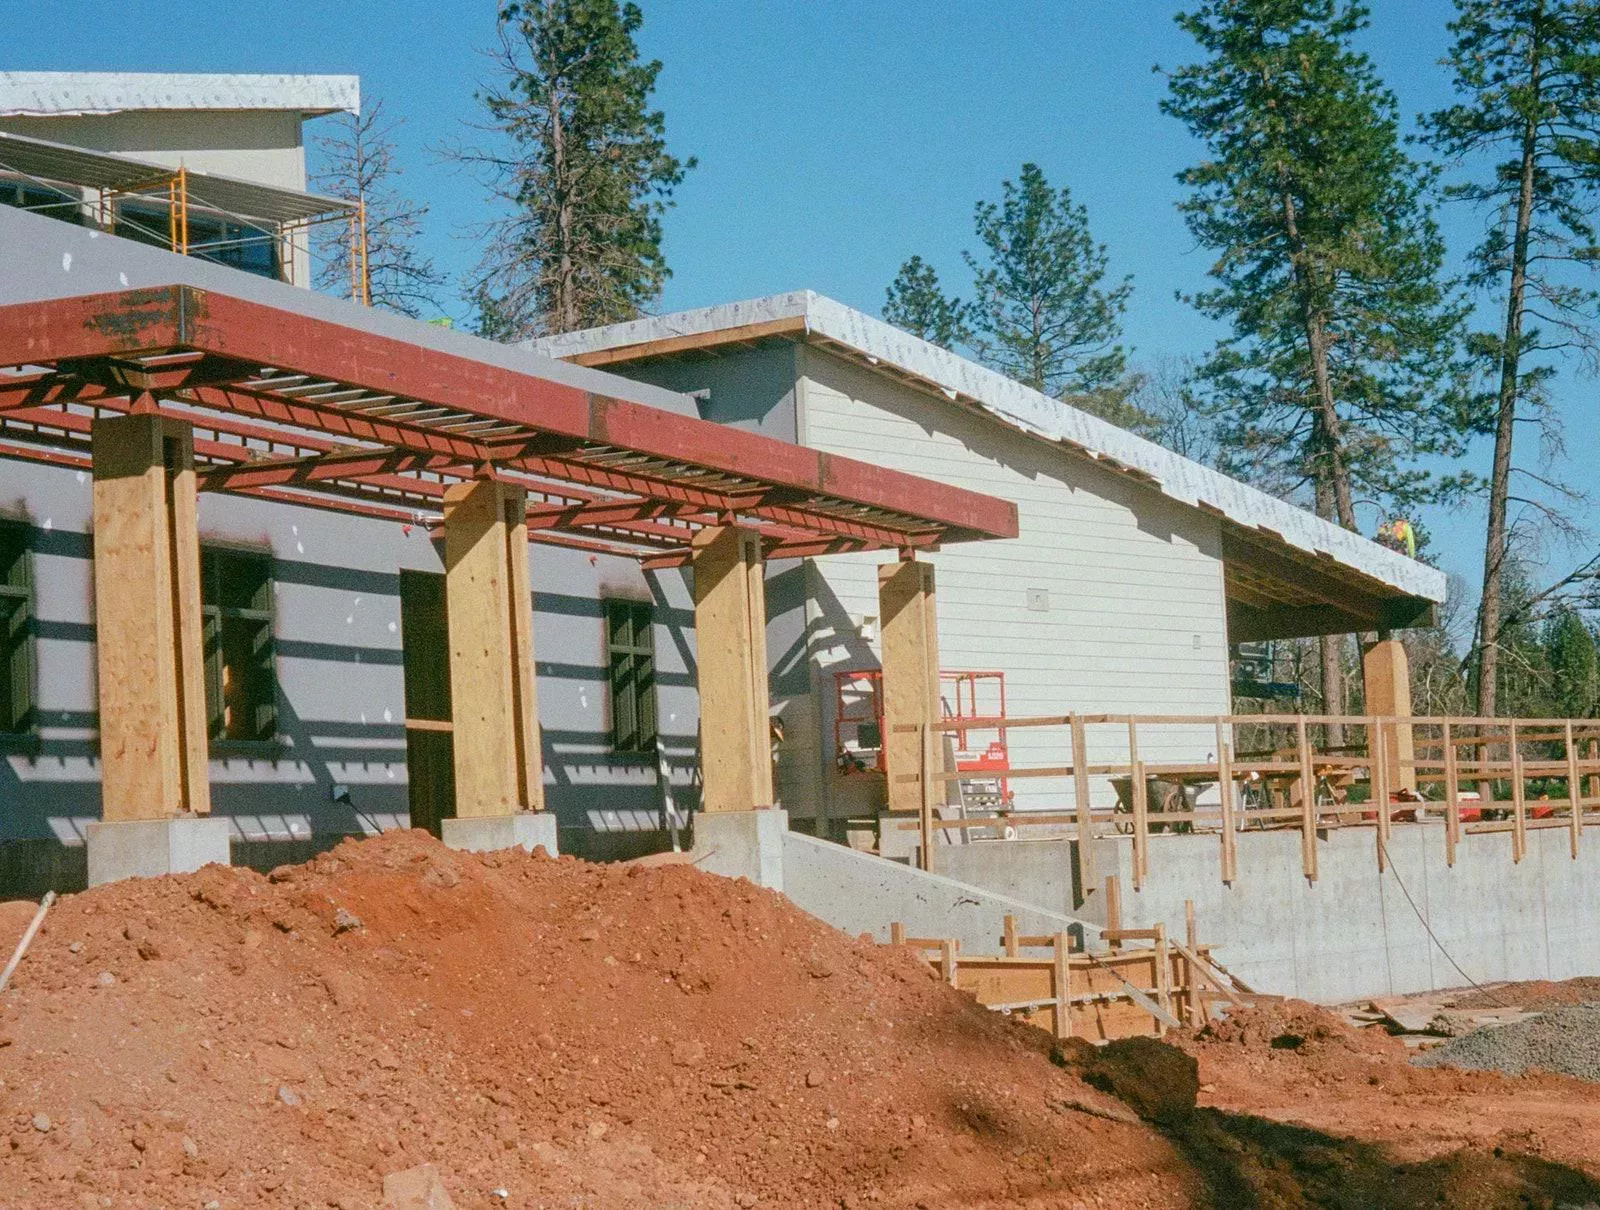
1532	996
1294	1025
1563	1041
1157	1081
543	1031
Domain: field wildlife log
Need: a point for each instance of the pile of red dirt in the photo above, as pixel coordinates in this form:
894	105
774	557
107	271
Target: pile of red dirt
1531	996
544	1031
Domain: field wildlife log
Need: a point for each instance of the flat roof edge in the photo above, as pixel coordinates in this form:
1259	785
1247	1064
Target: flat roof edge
41	94
956	377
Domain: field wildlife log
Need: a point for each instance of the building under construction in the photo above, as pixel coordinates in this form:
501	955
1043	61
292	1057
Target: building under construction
277	568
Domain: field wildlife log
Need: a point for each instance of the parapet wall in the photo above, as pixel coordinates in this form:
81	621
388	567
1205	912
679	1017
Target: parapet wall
1355	931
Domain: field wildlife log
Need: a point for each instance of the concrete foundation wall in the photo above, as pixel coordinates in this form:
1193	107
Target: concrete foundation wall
1354	932
859	893
1041	872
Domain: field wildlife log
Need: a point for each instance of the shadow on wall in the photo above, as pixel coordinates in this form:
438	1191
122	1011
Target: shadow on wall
835	644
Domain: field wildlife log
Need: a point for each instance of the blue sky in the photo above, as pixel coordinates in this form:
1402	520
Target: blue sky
834	137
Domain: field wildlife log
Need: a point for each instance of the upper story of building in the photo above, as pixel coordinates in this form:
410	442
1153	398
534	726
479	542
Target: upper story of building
211	165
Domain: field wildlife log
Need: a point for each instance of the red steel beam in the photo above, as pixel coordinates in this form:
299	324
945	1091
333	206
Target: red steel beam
180	317
357	464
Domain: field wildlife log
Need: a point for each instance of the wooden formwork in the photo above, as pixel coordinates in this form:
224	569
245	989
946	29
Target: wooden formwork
1122	991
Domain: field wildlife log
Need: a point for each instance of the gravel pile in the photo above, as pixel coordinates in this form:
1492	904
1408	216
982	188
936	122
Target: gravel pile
1565	1041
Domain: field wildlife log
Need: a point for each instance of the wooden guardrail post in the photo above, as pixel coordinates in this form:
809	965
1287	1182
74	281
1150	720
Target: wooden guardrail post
1139	793
1574	790
1230	839
1114	909
1378	781
925	804
1080	792
1519	804
1308	804
1452	797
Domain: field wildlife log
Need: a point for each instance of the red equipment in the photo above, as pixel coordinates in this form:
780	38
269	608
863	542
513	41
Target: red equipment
978	696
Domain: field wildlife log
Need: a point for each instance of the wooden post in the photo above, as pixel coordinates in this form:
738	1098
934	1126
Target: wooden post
730	620
1452	798
1087	873
1377	752
1009	937
1163	986
1191	937
1063	986
1574	793
1519	805
949	956
1230	839
494	707
1387	674
897	933
1114	908
1308	805
148	645
1140	786
925	804
907	605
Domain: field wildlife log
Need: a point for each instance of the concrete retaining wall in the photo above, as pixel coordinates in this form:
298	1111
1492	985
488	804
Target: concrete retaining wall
1041	872
1354	932
860	893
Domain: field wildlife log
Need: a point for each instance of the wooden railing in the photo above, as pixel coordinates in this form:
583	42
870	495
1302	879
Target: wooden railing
1310	773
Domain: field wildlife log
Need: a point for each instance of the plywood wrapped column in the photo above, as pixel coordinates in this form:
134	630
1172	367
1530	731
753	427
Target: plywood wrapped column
730	621
148	646
494	708
1387	673
910	657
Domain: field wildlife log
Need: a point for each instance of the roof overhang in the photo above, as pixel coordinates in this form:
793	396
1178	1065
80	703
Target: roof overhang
303	410
56	164
1288	573
37	94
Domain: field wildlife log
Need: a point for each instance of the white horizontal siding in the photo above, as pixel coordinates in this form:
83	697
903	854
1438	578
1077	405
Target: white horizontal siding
1136	620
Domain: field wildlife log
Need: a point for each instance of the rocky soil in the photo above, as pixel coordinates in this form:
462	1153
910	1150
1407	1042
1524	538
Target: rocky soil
551	1033
546	1032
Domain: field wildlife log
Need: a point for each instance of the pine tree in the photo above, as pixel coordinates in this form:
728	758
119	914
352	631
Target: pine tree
584	169
359	164
1329	261
917	303
1528	73
1573	664
1042	312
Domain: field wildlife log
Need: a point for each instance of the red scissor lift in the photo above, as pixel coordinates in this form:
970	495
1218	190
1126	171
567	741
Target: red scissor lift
980	749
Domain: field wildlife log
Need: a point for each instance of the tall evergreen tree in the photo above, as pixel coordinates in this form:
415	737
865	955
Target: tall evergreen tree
917	303
358	163
584	169
1329	262
1043	312
1528	74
